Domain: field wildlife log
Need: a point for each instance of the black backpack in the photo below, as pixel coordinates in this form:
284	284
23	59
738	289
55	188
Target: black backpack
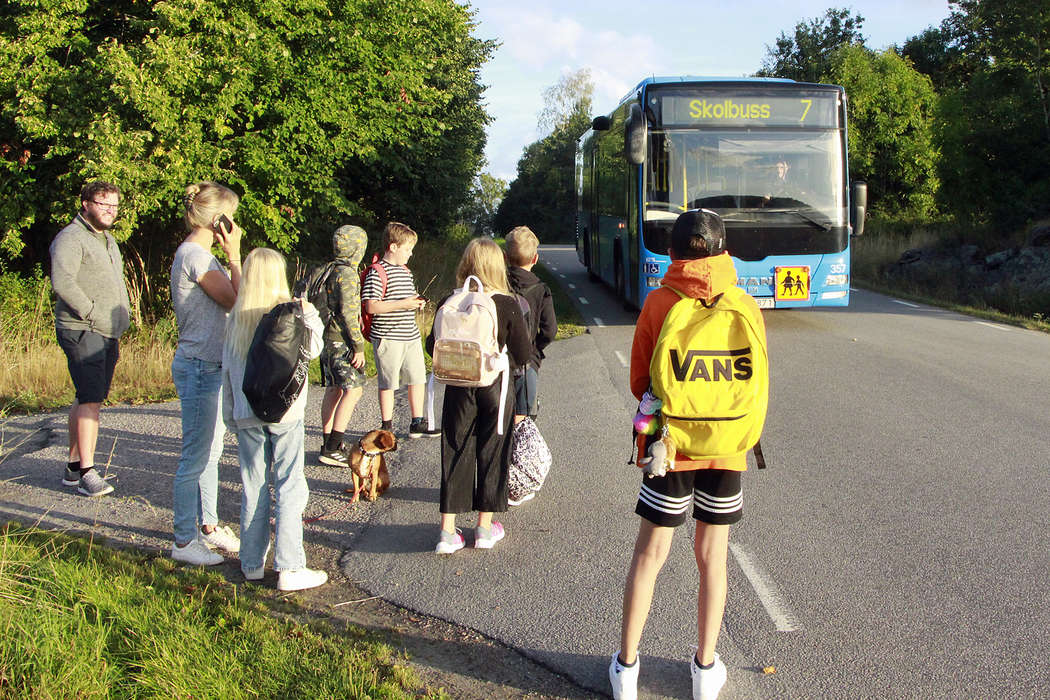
314	287
277	365
532	315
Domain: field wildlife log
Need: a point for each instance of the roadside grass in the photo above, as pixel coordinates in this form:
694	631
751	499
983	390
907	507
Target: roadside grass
34	376
883	243
33	371
81	620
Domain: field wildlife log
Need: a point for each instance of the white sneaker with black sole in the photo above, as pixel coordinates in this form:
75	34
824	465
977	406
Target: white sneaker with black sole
93	485
196	553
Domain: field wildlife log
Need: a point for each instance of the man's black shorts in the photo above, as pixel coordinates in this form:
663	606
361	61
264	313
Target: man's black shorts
715	495
92	359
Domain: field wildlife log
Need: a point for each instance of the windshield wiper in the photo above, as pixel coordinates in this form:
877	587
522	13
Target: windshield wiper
823	225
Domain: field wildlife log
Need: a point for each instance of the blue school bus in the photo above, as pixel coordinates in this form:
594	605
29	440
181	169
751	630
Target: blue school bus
768	155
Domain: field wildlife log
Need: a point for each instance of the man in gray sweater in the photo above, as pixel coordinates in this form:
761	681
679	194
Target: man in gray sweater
91	313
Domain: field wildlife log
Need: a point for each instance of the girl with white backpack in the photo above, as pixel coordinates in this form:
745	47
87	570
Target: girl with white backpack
478	481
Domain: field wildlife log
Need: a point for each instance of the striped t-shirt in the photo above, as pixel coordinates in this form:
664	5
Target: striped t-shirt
395	325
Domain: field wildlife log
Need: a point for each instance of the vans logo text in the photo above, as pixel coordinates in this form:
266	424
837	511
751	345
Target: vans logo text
712	365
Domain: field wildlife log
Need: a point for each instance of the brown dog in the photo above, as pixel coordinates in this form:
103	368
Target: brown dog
368	465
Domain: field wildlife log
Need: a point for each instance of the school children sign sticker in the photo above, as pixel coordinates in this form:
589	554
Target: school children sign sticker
792	283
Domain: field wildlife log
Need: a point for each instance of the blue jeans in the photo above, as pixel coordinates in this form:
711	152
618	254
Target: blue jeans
272	453
199	384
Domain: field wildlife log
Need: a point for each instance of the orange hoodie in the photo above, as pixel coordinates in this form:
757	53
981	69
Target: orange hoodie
703	279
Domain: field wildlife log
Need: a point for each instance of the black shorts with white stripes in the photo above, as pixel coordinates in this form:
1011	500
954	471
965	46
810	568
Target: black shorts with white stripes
715	494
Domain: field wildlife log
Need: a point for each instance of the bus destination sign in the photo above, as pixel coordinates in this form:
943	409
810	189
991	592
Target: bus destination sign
741	109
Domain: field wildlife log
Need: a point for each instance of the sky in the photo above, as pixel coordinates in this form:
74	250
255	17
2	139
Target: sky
623	41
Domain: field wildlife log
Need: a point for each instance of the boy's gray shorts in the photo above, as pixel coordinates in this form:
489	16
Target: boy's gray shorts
399	362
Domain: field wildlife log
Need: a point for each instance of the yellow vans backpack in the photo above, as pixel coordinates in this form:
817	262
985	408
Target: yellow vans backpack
711	370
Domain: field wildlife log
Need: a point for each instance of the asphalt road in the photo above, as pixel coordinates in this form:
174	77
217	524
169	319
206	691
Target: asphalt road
895	547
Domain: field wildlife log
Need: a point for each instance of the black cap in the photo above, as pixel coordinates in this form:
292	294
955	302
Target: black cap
698	233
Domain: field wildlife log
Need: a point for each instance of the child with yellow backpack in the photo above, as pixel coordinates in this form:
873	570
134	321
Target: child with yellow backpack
699	366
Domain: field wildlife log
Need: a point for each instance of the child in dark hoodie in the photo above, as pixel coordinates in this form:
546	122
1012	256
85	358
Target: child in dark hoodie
343	357
521	251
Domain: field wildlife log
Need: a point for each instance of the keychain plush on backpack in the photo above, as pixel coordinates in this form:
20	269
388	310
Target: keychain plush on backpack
659	458
647	419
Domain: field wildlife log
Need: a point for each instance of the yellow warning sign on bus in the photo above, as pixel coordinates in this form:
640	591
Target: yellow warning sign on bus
792	283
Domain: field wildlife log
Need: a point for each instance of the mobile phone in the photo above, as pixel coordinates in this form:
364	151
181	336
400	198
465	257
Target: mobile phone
225	221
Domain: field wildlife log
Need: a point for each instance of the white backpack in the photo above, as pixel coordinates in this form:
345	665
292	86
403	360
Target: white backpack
466	349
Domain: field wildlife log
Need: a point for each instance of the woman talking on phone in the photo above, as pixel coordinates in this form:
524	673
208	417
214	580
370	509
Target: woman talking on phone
202	292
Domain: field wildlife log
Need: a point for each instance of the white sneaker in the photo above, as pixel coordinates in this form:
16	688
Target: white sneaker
707	683
196	553
624	679
223	538
300	579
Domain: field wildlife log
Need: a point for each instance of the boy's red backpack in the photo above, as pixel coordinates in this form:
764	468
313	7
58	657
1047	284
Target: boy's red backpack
366	318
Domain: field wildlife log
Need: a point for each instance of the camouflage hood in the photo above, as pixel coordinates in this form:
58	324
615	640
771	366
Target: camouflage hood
349	244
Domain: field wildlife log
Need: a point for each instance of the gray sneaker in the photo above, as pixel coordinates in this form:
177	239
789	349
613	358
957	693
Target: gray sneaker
91	484
72	477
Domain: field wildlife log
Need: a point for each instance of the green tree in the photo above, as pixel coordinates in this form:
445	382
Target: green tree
806	56
480	209
942	53
315	111
995	136
891	120
542	195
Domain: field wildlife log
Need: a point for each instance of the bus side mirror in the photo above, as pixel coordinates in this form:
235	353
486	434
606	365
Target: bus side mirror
636	135
600	123
859	200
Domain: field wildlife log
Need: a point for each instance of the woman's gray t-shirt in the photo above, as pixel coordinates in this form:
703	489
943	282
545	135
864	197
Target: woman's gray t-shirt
202	321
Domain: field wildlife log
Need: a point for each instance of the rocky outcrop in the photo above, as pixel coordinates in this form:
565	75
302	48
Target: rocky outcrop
1018	278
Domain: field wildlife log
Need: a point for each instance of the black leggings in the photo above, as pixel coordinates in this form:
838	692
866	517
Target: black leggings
474	479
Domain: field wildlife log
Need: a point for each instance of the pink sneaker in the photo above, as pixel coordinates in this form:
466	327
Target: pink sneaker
449	542
486	538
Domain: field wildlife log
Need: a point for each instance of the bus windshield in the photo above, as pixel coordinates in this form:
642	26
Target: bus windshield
767	177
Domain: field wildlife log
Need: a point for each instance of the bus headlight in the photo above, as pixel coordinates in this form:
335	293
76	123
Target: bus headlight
836	280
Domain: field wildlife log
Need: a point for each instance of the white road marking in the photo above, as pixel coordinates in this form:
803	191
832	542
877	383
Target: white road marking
583	300
561	274
621	357
766	590
995	326
904	303
571	285
598	322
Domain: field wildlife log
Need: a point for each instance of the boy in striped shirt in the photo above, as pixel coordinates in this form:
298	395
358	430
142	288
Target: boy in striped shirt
395	335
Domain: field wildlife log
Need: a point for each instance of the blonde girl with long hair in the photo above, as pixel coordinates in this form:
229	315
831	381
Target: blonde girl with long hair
202	292
477	481
268	451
